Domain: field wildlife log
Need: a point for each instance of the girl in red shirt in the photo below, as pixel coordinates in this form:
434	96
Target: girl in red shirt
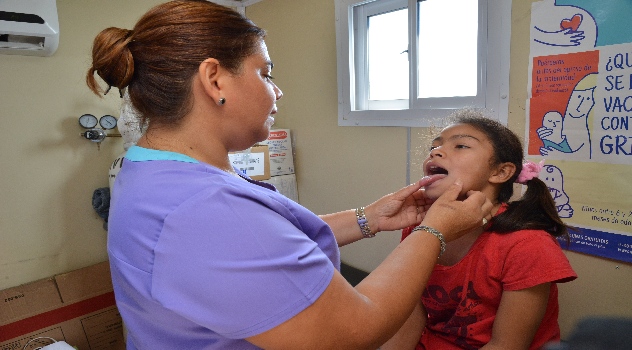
495	287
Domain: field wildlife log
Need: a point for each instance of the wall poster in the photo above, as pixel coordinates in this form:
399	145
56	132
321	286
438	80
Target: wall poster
579	113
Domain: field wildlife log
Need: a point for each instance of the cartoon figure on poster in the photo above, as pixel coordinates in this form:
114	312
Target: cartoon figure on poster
554	179
551	132
562	27
571	134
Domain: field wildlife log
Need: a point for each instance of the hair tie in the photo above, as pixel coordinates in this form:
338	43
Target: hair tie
529	171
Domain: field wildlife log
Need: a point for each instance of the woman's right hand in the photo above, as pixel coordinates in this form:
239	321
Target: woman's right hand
452	217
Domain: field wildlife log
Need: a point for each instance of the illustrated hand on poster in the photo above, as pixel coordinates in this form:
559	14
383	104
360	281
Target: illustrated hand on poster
559	28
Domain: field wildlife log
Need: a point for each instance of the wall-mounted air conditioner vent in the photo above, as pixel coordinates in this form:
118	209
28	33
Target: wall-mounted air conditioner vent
29	27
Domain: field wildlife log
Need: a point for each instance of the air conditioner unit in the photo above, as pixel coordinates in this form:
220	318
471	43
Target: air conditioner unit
29	27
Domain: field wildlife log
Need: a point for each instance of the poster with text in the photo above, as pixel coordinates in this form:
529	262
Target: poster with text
579	111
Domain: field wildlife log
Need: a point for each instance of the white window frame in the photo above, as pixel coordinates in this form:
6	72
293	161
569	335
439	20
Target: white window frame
494	42
361	99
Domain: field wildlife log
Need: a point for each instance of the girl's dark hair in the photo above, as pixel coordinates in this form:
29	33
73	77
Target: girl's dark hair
158	58
536	209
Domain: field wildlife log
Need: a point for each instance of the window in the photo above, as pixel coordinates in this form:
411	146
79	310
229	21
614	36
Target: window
408	62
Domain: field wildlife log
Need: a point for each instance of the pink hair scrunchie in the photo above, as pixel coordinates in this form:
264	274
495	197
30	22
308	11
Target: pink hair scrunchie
529	171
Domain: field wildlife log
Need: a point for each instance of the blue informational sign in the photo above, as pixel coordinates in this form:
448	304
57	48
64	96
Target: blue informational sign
579	115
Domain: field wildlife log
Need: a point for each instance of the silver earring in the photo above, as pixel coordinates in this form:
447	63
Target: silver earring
222	101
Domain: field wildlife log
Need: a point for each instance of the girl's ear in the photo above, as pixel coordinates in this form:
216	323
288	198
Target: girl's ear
503	173
210	74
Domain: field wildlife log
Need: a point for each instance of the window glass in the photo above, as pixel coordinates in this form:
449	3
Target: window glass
447	48
388	55
409	62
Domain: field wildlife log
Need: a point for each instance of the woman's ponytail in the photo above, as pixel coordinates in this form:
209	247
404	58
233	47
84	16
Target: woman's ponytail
111	59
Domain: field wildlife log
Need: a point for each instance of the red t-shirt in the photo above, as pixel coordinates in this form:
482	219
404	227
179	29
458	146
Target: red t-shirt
462	300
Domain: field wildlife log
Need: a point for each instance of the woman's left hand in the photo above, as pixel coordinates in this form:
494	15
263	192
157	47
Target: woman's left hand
400	209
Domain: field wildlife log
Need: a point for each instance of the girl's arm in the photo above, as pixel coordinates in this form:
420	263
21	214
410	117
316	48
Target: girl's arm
408	336
519	315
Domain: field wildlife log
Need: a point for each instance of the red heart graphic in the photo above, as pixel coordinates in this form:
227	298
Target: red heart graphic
572	23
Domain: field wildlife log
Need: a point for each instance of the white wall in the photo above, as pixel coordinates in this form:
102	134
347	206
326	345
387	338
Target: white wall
47	223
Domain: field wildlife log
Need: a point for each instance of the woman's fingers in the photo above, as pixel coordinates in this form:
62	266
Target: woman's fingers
454	217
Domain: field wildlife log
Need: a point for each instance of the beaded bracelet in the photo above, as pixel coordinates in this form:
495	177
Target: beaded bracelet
364	223
435	233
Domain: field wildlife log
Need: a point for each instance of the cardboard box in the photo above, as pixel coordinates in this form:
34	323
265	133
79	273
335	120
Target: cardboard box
281	153
286	185
76	307
254	163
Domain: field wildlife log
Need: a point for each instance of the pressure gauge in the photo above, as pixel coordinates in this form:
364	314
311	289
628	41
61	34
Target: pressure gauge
88	121
107	122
